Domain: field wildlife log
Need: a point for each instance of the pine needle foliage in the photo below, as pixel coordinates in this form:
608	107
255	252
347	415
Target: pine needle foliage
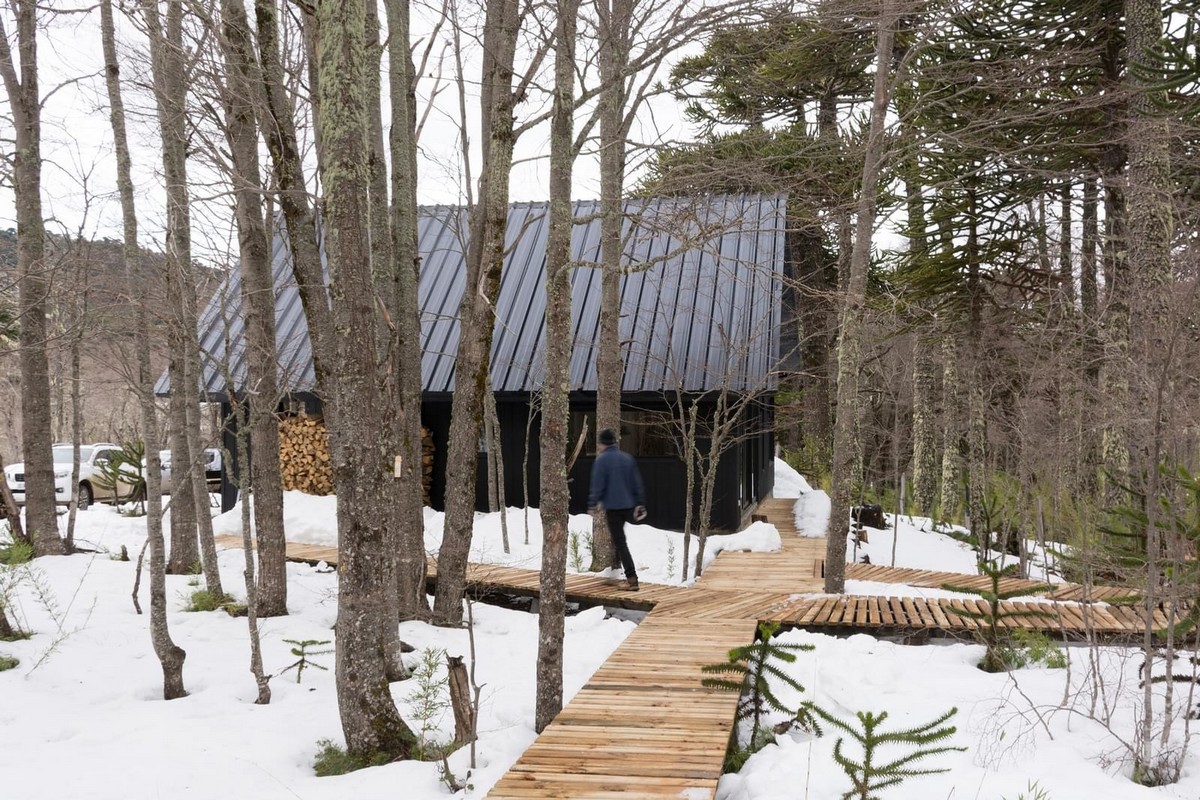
1178	522
992	632
306	650
871	774
751	670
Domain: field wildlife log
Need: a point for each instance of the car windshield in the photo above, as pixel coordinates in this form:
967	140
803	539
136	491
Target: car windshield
62	455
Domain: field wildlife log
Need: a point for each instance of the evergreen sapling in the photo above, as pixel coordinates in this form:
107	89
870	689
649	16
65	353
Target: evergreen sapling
750	670
302	649
993	622
870	775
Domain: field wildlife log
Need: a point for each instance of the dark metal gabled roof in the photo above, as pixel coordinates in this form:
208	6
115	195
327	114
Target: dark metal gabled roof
700	300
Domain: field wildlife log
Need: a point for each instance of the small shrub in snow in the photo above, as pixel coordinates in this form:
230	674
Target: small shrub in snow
1032	649
333	759
871	773
306	649
1033	792
204	600
7	663
993	631
429	700
579	550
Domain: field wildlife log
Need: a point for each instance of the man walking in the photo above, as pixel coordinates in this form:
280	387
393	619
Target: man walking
617	489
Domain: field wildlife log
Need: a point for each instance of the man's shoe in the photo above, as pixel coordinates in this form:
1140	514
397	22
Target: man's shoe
630	586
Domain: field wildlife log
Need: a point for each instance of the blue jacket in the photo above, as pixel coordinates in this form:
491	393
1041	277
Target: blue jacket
616	483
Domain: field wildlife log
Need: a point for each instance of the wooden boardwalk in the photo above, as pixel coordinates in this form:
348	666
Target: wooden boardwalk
931	579
644	727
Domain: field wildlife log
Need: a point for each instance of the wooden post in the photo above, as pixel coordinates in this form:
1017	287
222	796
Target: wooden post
460	700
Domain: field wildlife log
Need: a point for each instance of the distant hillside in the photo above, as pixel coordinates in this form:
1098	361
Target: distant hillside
92	271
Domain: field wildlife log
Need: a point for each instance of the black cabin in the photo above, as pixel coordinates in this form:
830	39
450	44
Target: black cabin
700	317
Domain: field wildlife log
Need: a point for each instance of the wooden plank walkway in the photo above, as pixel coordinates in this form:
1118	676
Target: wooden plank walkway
644	727
933	579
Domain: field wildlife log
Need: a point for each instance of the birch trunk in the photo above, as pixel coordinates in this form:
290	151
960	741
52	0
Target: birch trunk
24	101
850	342
555	495
170	655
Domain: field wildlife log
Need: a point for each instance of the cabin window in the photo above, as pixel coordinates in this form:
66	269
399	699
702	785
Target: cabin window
648	434
645	434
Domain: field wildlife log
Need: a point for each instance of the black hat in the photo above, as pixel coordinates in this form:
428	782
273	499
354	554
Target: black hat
607	437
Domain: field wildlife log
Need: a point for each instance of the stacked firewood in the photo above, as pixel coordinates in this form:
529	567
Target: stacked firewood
304	455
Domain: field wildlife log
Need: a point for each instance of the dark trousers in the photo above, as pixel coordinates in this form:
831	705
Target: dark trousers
616	518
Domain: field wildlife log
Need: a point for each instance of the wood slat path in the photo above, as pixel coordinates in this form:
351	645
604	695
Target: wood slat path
644	727
933	579
796	568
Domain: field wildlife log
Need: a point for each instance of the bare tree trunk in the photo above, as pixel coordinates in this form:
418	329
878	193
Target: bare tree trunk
925	461
258	291
406	268
614	20
976	427
12	511
952	417
261	679
924	419
76	412
1090	345
24	102
195	473
170	89
1148	252
850	342
688	420
370	721
279	129
170	655
496	452
556	381
485	260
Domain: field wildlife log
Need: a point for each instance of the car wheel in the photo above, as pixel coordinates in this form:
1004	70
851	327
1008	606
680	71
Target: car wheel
85	497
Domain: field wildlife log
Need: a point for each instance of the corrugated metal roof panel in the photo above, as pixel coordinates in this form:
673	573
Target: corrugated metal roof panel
700	299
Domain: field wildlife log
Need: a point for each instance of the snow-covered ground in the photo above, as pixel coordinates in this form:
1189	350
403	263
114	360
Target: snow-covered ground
82	716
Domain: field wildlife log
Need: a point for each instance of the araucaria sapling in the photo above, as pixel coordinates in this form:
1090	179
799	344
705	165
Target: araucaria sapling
751	669
869	775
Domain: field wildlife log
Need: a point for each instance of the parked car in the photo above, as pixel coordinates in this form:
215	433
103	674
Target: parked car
92	458
212	469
